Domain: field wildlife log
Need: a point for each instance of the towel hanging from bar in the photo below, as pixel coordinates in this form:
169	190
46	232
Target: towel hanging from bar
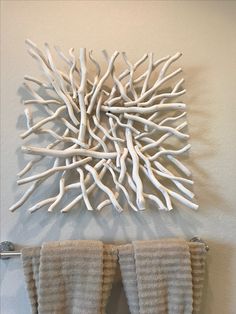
160	276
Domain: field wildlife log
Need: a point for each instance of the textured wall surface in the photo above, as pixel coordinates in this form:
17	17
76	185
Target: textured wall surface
205	33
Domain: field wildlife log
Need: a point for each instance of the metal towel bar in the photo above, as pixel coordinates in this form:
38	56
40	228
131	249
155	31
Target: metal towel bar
7	248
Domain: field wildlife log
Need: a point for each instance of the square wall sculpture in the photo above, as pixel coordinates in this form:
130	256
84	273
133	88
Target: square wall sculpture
118	130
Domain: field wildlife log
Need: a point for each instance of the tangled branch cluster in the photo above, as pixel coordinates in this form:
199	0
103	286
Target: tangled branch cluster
107	134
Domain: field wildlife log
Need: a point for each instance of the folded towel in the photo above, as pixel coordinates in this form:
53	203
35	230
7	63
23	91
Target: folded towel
69	276
163	276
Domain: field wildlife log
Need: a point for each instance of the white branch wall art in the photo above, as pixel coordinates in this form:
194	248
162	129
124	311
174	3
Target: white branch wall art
112	131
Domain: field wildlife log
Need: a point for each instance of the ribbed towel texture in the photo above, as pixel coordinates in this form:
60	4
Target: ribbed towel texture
69	276
163	276
159	277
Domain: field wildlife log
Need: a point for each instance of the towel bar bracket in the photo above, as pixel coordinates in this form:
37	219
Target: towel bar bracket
7	250
198	239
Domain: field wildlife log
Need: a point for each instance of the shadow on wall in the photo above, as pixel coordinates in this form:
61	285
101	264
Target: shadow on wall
201	132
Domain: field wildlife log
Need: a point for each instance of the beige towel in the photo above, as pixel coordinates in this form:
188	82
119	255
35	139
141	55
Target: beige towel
31	260
129	278
69	276
110	257
161	277
164	276
198	260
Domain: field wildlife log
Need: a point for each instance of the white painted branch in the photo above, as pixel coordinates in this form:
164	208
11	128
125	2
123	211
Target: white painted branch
154	88
71	204
161	96
25	196
171	119
105	131
183	200
156	126
149	71
175	180
63	139
144	134
72	69
155	65
81	93
101	82
135	169
84	191
175	195
171	177
136	65
43	102
98	108
148	171
120	186
152	144
144	110
60	195
54	170
65	96
116	144
30	164
42	204
131	70
96	65
88	177
37	97
88	191
170	152
119	85
42	122
58	75
123	165
38	82
152	197
104	188
104	138
167	64
179	165
97	138
58	153
175	89
124	125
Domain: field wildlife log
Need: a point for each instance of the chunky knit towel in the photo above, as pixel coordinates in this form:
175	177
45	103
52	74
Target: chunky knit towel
69	276
159	277
163	276
198	259
31	260
129	278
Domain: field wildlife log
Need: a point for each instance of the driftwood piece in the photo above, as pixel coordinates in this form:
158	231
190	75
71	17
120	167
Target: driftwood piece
111	137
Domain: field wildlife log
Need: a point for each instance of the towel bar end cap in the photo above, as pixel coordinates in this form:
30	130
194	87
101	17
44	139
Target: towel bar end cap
198	239
6	246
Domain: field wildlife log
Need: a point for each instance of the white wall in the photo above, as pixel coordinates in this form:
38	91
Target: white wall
205	33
